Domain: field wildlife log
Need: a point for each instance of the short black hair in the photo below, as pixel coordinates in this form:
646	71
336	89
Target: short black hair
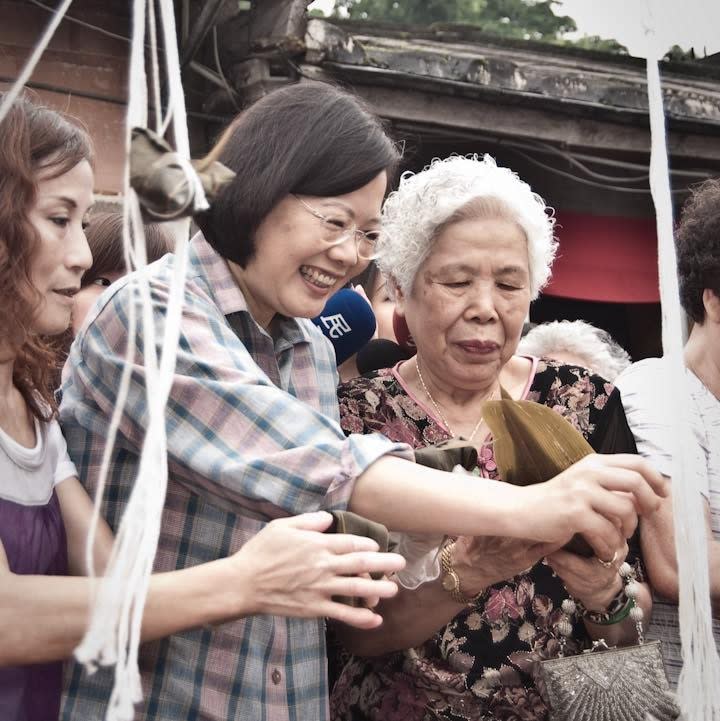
697	240
310	138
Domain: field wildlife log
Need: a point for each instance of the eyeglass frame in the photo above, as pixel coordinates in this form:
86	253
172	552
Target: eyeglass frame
353	232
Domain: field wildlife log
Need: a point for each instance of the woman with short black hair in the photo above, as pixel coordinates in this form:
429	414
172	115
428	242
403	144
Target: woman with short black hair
318	142
46	190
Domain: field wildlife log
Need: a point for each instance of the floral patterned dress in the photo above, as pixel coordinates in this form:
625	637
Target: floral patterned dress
480	665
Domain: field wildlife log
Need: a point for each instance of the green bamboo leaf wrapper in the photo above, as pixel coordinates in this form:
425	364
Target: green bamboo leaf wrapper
532	444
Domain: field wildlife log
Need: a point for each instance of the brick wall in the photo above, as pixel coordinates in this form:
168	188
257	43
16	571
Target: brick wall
79	62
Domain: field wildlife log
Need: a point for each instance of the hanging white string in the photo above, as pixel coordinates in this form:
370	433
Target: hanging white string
157	98
34	58
115	628
105	641
700	675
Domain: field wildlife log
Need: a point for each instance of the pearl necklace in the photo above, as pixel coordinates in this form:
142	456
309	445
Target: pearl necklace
440	413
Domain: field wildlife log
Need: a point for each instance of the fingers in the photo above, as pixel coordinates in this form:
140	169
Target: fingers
634	475
591	582
620	510
371	601
574	569
359	617
602	534
341	543
318	521
361	587
353	564
564	561
541	550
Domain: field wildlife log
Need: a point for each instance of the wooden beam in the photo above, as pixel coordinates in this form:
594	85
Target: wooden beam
518	120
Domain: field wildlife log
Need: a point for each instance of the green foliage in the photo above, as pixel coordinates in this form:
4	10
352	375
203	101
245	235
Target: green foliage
595	42
679	55
529	19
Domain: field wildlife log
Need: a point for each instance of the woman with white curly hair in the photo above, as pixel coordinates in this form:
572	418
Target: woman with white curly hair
467	245
575	342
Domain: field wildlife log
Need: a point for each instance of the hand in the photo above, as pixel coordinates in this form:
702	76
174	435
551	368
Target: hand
600	497
587	580
482	561
292	569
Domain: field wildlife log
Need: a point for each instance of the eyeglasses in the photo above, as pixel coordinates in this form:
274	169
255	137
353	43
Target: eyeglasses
338	226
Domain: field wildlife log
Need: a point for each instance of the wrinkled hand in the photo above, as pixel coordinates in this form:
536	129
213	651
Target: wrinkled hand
295	570
600	497
587	580
482	561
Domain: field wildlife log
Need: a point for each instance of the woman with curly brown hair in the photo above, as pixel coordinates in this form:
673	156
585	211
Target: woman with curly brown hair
46	183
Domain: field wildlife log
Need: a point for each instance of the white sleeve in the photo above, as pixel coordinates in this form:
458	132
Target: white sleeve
63	467
643	390
648	411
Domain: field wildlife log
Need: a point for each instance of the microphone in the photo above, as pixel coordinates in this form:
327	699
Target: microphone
380	353
402	333
347	321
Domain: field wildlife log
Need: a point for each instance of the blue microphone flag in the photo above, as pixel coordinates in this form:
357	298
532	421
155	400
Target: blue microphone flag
348	322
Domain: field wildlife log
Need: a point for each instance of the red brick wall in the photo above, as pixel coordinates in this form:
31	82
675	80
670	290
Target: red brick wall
78	60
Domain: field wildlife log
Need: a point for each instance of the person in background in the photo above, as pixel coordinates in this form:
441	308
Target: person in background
650	415
382	350
374	288
575	342
467	245
46	184
104	235
253	421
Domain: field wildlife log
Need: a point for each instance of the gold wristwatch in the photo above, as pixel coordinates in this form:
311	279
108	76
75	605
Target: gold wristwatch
451	581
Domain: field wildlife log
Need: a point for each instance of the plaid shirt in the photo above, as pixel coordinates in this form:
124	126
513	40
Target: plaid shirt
253	434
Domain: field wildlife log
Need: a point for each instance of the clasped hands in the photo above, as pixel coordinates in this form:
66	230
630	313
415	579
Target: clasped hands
483	561
600	497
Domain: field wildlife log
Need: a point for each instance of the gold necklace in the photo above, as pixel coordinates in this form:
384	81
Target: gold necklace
440	413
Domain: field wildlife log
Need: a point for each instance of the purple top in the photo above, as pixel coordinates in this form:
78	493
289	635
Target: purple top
34	541
33	536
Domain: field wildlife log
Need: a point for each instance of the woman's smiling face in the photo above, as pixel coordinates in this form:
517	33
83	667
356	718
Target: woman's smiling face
293	271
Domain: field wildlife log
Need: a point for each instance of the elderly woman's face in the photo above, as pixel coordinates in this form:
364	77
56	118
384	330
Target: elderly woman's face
469	300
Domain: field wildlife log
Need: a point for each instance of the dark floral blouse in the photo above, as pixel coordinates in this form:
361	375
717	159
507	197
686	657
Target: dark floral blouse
480	665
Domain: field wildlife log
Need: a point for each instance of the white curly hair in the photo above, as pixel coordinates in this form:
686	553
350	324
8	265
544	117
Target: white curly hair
596	348
427	200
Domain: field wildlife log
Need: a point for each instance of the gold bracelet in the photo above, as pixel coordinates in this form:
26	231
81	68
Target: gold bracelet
451	580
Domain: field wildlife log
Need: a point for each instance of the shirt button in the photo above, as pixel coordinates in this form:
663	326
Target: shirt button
276	677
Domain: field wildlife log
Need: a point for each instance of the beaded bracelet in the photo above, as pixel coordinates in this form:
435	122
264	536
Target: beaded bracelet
617	617
621	604
618	606
630	609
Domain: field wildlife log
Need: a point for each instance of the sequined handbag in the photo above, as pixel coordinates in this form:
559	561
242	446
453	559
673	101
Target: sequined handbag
618	684
608	684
